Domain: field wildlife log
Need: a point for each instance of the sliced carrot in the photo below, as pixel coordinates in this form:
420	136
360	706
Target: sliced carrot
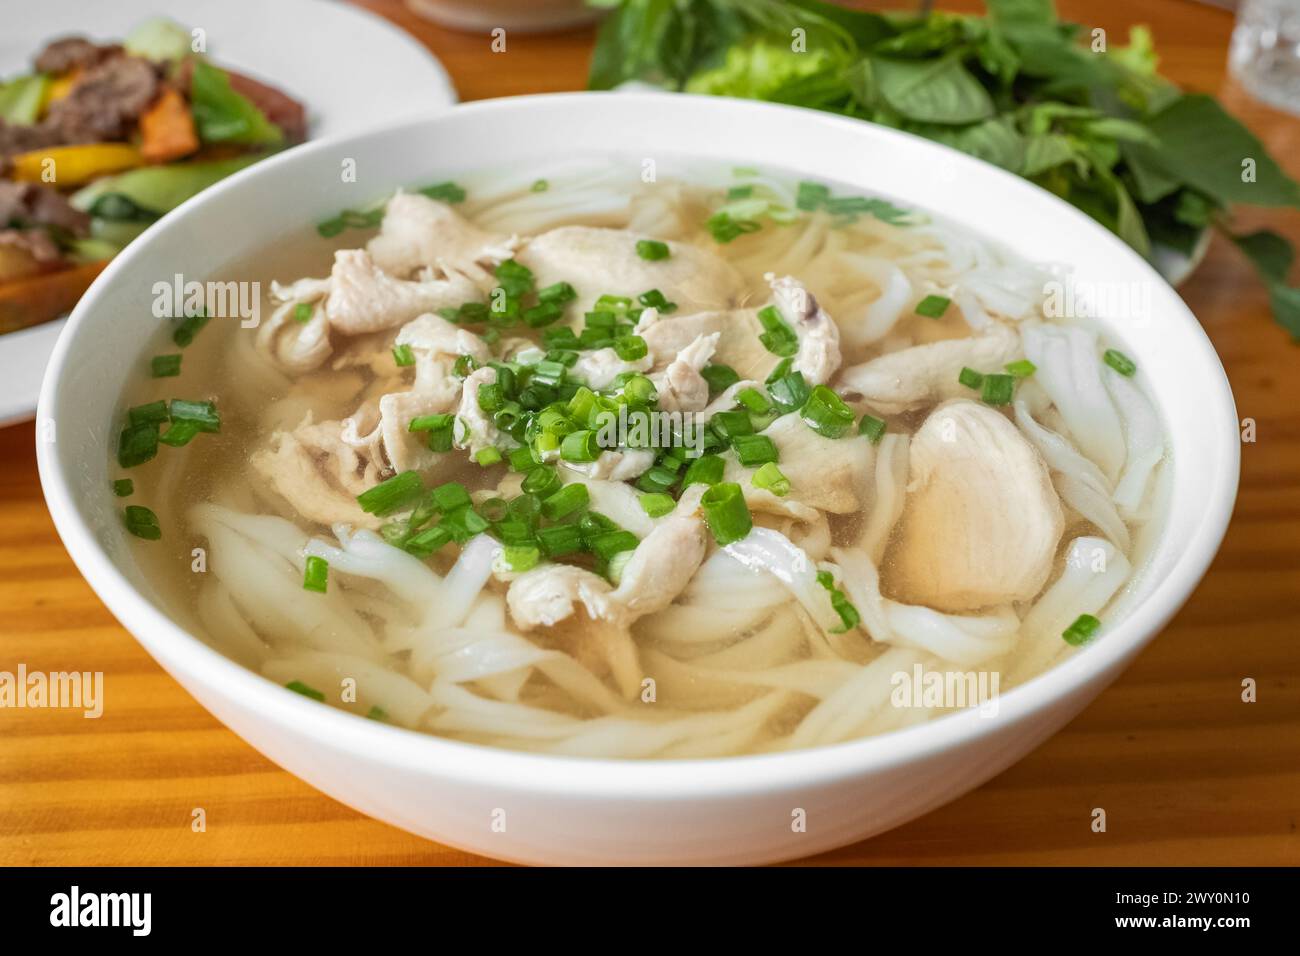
40	298
167	129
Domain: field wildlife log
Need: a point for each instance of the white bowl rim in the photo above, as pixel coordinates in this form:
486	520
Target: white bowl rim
675	779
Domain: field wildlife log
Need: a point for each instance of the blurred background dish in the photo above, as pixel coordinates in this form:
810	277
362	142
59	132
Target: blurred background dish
251	38
528	16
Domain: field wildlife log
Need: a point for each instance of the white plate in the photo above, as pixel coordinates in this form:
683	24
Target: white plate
351	68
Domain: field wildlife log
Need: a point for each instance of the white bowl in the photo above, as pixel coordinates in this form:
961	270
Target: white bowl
569	810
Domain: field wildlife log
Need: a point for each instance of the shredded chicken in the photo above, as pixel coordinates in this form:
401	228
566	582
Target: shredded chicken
818	357
418	233
681	387
364	298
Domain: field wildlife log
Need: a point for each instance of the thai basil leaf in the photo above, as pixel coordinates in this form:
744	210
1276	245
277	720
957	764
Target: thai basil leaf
932	91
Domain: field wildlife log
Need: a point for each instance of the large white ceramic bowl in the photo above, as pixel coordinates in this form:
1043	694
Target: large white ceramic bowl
568	810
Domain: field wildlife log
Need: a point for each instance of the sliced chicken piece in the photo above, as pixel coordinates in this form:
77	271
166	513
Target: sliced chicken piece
681	387
380	427
912	378
545	596
818	357
474	429
364	298
318	474
981	522
663	564
738	342
419	232
598	369
296	347
623	464
832	475
605	261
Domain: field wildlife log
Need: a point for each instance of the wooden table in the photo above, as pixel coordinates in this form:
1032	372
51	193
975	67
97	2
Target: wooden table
1187	772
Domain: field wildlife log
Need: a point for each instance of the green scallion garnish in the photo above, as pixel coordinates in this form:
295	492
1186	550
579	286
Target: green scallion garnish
203	414
315	574
298	687
165	366
302	312
184	333
391	495
137	444
872	427
566	501
489	456
539	186
1022	368
124	487
726	513
777	337
654	299
770	478
560	539
789	392
755	450
1120	362
719	377
849	616
403	355
998	389
657	504
180	433
970	378
933	306
1083	630
520	558
447	192
826	413
652	249
707	469
580	446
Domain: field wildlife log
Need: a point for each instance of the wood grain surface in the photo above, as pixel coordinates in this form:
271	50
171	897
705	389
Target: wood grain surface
1187	772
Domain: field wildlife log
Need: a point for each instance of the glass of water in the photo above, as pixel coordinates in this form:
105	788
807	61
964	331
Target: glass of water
1265	52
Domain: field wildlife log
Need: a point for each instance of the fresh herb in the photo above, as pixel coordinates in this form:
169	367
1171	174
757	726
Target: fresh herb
652	250
123	487
315	575
1017	88
142	522
1120	362
933	306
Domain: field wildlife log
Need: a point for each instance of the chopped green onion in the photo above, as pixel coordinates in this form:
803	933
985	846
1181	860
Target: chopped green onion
826	413
639	390
1083	629
1120	362
151	413
652	249
431	423
654	299
754	400
998	389
403	355
707	469
781	371
1022	368
790	392
755	450
204	414
725	512
377	713
541	480
723	228
933	306
189	327
542	314
427	542
515	279
298	687
548	372
447	497
165	366
137	444
970	378
181	432
559	540
315	575
657	504
302	312
519	558
566	501
559	293
610	543
849	616
389	496
631	347
719	377
522	459
142	523
770	478
124	487
486	457
727	425
580	446
539	186
872	427
778	338
657	480
448	192
811	195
